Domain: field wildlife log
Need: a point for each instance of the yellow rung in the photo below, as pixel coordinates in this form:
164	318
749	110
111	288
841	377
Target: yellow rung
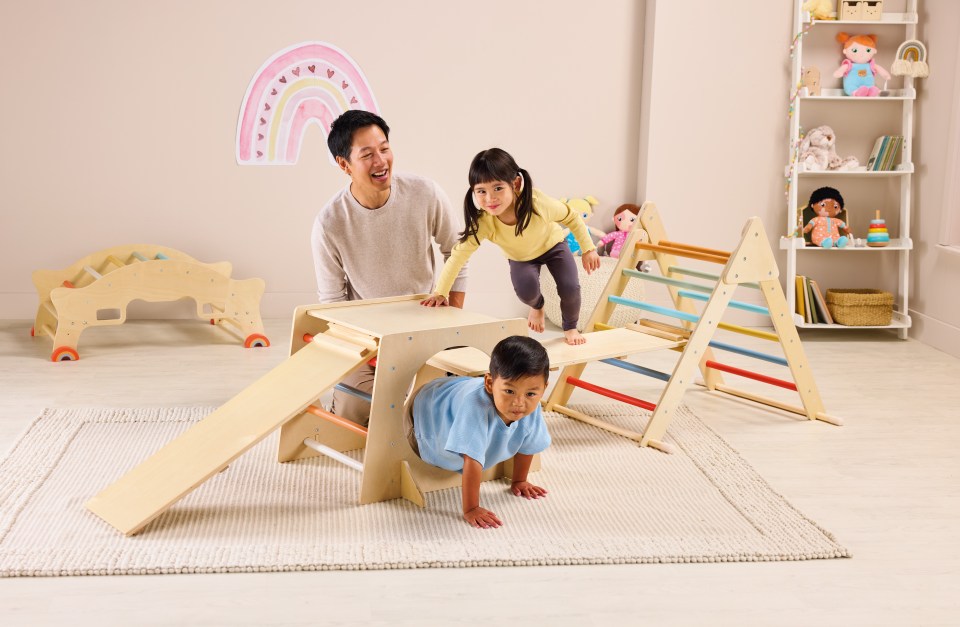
112	259
599	326
763	335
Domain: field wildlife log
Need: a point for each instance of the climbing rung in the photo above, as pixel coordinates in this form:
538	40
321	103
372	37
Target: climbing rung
683	252
751	375
113	259
138	256
673	313
349	389
333	454
748	353
626	365
763	335
162	256
623	398
736	304
656	278
706	275
696	249
340	421
92	272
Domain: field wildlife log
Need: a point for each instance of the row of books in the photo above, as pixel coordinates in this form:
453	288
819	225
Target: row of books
886	151
810	303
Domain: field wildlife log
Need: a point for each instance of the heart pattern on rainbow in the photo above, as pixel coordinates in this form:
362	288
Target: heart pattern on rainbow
310	83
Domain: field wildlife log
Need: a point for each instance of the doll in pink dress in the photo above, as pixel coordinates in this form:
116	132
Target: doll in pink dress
624	218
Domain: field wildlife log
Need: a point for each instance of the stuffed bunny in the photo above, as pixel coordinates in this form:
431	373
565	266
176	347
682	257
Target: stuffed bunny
818	152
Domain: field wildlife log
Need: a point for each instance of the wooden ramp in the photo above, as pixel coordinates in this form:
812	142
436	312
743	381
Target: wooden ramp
212	444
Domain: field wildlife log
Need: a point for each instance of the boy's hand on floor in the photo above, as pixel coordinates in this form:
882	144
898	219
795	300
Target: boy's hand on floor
482	518
527	490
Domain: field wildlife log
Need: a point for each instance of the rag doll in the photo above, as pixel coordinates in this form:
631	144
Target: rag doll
859	70
583	206
825	228
624	219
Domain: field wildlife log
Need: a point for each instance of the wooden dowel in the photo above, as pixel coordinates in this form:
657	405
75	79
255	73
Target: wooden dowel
696	249
680	252
748	374
340	421
138	256
333	454
599	326
92	272
736	304
112	259
666	311
706	275
763	335
617	396
656	278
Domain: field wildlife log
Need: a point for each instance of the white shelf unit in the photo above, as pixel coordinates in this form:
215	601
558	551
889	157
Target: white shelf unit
892	28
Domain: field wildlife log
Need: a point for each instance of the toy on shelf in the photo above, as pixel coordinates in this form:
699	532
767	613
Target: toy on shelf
818	152
859	70
584	206
826	205
865	10
624	219
819	9
96	290
878	235
911	60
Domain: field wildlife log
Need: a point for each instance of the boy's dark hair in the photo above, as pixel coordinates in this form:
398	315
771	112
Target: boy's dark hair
340	138
823	193
518	356
496	164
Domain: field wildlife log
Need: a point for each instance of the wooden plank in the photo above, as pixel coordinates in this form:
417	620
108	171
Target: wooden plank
212	444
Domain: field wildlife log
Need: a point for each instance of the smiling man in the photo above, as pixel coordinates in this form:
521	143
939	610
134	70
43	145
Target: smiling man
375	238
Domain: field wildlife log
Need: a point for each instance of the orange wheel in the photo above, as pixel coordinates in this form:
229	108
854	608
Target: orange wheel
32	332
213	321
65	353
256	340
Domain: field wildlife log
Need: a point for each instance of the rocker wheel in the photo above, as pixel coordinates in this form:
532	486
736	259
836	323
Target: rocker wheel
256	340
213	321
65	353
32	332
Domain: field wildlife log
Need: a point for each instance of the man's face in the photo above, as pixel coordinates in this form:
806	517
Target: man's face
371	161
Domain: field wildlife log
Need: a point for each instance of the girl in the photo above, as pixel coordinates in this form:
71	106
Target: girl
502	206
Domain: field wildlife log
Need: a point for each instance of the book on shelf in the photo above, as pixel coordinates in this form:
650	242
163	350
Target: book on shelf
821	304
893	153
885	151
799	308
875	152
811	303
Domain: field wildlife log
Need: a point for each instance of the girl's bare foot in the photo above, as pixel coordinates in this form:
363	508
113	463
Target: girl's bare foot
573	337
535	320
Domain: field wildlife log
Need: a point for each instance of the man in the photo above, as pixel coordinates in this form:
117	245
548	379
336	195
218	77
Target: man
375	237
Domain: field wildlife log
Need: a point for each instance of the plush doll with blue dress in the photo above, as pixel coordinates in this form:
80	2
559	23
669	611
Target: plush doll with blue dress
859	70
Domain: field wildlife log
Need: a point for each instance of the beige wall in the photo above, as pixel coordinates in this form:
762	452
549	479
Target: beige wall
122	119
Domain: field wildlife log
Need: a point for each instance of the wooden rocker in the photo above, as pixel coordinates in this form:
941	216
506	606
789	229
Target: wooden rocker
96	290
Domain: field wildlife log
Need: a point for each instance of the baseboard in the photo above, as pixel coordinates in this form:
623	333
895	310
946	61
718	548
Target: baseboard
936	333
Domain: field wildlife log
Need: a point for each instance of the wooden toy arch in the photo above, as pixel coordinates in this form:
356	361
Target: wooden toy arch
96	290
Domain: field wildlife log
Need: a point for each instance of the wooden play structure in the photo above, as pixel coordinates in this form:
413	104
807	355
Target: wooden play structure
96	290
413	345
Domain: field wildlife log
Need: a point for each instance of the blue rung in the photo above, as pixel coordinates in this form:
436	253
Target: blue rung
736	304
162	256
749	353
673	313
348	389
626	365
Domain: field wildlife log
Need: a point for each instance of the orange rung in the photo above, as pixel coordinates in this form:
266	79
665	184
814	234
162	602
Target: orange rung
337	420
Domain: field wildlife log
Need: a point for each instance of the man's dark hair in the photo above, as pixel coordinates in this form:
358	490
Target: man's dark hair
518	356
340	138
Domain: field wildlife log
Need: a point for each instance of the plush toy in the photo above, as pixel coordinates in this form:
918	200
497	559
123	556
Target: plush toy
584	206
825	229
818	152
819	9
624	218
859	70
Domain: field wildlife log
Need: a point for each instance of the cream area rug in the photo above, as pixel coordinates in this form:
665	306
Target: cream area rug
610	502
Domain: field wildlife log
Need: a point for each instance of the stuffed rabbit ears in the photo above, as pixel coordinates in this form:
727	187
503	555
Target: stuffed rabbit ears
911	60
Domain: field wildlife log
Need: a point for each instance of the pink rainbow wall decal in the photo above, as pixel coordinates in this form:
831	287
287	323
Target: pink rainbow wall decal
309	83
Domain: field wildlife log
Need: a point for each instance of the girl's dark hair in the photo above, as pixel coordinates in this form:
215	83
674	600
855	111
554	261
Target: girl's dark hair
492	165
340	137
518	356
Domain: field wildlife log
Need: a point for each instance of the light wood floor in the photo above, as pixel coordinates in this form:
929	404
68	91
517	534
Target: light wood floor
886	485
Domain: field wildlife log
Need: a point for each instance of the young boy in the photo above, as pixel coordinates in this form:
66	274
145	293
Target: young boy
470	424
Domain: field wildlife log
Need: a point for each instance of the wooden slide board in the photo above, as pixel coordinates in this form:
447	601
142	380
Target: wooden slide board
212	444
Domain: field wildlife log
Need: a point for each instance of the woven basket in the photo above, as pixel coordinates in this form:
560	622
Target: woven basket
591	286
860	308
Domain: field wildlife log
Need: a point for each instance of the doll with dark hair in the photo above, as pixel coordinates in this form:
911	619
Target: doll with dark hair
825	228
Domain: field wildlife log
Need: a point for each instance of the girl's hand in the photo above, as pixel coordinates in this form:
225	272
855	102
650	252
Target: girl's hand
482	518
527	490
590	261
435	300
